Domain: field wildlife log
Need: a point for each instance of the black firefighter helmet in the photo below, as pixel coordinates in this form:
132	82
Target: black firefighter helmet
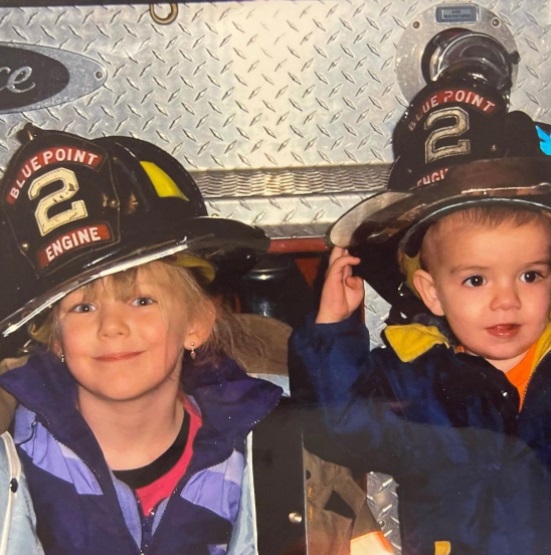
456	146
73	210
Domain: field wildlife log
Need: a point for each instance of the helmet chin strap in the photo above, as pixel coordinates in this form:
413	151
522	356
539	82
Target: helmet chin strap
408	266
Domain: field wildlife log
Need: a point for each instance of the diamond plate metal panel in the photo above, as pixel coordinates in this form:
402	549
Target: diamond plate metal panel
383	502
275	84
228	85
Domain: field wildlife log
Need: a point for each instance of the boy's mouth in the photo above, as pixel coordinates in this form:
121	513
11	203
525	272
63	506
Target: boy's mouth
503	330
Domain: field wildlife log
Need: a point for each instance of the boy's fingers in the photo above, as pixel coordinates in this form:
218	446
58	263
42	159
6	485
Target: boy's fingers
337	252
354	282
344	262
341	253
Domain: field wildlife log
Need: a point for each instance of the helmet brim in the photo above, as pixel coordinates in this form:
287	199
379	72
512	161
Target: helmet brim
219	241
378	226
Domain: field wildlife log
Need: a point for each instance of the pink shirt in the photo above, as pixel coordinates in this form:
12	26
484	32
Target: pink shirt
161	488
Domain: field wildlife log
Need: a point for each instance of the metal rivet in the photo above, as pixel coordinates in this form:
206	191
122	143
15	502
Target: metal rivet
14	485
25	246
161	20
295	518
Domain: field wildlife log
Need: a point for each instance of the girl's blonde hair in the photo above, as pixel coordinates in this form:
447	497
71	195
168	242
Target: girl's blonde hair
228	336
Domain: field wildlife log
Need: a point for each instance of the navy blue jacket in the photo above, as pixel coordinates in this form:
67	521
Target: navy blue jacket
472	470
82	508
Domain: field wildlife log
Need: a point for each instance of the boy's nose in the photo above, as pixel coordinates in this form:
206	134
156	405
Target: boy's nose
505	298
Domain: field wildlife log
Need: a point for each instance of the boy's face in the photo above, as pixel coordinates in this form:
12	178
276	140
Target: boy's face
123	349
493	285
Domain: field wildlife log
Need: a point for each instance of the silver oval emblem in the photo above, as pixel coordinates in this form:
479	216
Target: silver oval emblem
33	77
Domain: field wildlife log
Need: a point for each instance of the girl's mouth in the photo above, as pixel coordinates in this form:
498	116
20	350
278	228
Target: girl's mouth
115	357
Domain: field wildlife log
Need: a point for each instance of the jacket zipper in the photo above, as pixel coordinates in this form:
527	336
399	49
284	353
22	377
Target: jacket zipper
179	487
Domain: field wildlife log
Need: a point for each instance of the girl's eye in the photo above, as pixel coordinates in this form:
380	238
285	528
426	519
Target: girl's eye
530	277
474	281
143	301
83	308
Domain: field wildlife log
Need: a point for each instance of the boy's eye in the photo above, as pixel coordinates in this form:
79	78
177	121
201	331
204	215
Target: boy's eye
530	277
474	281
142	301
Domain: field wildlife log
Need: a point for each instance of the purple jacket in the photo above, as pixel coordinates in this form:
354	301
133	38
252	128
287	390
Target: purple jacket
82	508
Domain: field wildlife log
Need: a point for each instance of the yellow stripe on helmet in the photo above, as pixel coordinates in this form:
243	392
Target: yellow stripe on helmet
163	183
167	187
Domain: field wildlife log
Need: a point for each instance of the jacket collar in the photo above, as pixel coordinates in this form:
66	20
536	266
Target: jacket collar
410	341
229	399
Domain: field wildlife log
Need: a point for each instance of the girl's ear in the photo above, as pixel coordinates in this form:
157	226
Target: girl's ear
199	330
424	285
56	347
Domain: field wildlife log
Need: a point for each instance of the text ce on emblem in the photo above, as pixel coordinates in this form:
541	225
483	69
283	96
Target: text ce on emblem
33	77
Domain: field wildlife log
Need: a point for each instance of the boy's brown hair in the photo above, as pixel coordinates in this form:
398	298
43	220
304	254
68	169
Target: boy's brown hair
491	215
480	214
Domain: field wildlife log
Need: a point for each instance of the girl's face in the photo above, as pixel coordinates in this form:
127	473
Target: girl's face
126	347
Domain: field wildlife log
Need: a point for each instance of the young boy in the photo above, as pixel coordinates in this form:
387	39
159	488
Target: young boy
458	413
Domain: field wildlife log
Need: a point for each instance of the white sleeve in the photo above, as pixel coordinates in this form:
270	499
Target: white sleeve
17	518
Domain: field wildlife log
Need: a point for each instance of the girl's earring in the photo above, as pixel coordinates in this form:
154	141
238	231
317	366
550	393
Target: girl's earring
62	357
192	352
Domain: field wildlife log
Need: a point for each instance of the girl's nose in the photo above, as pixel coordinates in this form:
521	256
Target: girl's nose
112	321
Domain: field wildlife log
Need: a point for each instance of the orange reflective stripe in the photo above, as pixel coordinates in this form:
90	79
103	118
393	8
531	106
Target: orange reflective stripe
442	548
520	374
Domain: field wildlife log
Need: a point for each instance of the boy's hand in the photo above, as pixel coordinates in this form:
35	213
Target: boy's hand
342	292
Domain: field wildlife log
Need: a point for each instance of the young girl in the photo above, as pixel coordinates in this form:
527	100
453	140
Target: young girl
132	423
